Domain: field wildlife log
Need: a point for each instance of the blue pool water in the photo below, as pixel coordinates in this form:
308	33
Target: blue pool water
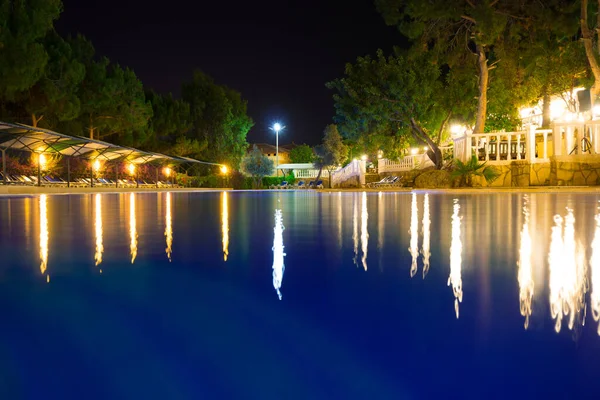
383	296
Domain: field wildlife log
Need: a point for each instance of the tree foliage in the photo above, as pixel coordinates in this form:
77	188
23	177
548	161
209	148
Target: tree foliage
302	154
403	97
331	153
257	165
219	119
23	56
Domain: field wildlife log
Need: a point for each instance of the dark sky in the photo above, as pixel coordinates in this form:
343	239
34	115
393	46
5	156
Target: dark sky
278	54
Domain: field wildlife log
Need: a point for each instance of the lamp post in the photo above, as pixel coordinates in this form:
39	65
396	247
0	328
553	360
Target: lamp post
277	127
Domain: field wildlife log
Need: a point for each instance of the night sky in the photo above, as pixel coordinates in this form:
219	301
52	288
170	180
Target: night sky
278	54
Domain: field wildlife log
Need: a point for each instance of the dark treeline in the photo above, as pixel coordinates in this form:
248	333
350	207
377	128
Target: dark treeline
62	84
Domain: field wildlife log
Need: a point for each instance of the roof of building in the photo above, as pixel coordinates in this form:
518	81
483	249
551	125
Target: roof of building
37	140
268	148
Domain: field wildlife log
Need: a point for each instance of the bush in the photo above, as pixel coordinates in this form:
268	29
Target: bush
269	181
239	181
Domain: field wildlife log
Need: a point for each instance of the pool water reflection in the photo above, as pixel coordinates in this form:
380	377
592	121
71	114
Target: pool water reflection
181	295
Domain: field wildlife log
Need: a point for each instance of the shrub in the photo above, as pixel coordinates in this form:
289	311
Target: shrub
465	171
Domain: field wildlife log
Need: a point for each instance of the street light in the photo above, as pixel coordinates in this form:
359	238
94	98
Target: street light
277	127
224	169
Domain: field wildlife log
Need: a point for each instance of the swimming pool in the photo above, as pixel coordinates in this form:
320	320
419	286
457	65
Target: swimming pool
381	295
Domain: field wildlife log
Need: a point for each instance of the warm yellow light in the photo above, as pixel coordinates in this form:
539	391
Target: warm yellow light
414	151
169	228
414	234
425	148
42	161
132	228
98	229
426	250
131	169
44	235
455	278
167	171
525	274
225	225
224	169
96	165
457	129
363	157
364	233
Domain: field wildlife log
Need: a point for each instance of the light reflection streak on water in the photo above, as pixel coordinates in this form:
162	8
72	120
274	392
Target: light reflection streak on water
339	220
595	266
98	229
44	235
132	228
225	224
355	228
567	272
426	251
455	278
278	254
525	274
364	233
168	228
414	234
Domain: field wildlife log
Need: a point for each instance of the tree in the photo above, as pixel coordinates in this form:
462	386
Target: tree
463	33
54	96
219	119
23	58
170	124
331	153
401	96
258	165
113	104
302	154
588	35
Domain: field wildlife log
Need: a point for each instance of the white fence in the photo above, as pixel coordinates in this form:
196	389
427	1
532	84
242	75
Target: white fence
309	173
406	163
504	147
355	168
576	137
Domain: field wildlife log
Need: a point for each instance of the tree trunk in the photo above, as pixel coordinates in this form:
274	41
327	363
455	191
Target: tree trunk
587	36
483	86
319	176
546	117
34	120
434	153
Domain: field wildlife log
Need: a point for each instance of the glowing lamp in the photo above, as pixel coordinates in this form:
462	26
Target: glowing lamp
277	127
224	169
457	129
363	157
131	169
167	171
425	148
96	165
414	151
42	161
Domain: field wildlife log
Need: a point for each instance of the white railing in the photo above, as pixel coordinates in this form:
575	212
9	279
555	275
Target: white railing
406	163
504	147
354	168
309	173
576	137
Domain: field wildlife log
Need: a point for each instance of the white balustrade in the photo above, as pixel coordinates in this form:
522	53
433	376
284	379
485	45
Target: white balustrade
354	168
